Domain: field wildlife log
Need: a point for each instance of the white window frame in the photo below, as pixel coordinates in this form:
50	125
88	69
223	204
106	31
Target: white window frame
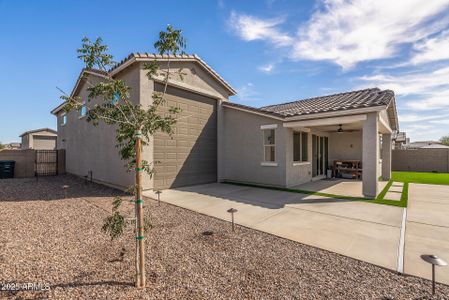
301	161
264	162
81	110
64	119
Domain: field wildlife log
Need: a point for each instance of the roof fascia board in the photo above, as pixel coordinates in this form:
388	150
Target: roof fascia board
72	94
384	126
336	113
198	60
254	112
326	121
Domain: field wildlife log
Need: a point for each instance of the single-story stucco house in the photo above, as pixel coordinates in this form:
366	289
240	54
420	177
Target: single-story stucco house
216	140
39	139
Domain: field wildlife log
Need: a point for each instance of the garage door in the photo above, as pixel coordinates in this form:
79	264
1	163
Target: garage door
189	157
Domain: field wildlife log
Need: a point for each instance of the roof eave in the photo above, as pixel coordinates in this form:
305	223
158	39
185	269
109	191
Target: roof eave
195	58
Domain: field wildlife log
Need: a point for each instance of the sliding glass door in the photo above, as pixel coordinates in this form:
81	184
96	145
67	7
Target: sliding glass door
320	155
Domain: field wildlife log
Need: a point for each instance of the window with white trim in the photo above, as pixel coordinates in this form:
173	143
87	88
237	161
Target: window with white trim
300	151
83	111
64	119
269	145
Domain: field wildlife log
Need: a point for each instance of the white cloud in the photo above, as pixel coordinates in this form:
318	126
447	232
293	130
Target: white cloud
247	92
266	68
432	49
251	28
425	89
349	32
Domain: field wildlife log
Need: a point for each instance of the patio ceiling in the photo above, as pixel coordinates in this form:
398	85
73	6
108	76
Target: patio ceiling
348	123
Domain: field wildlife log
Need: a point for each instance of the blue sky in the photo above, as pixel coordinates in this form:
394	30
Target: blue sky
271	51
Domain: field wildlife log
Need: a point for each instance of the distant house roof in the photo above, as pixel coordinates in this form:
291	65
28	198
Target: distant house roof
435	146
400	137
37	130
367	98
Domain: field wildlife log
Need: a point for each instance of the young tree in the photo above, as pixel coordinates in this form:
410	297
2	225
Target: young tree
445	140
2	146
135	125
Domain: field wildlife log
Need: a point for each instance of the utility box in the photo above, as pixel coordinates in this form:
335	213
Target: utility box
7	169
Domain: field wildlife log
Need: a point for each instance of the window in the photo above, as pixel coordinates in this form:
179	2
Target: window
64	119
269	145
115	99
83	111
300	141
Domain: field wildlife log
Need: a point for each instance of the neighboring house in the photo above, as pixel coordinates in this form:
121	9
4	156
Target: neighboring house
13	146
423	144
39	139
216	140
435	146
399	139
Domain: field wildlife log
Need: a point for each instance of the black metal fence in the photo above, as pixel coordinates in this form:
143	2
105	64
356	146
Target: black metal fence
46	163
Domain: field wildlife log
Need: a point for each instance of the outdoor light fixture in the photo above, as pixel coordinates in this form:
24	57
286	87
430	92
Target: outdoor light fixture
434	261
232	211
158	193
65	188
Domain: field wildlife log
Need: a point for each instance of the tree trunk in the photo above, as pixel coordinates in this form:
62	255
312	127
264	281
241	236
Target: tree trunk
139	213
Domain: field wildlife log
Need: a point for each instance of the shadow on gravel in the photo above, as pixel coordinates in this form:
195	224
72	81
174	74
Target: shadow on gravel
51	188
95	283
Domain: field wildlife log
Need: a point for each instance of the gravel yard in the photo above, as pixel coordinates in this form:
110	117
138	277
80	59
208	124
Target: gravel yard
48	239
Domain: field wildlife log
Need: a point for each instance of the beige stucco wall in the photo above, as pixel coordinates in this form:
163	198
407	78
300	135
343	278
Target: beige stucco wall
90	148
421	160
24	166
243	149
195	76
345	146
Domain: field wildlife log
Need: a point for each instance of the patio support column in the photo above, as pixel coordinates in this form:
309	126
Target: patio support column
386	156
370	155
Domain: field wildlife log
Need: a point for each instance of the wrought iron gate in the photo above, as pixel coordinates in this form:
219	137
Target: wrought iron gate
46	163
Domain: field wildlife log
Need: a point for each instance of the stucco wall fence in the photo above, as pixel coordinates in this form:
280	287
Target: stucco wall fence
421	160
25	161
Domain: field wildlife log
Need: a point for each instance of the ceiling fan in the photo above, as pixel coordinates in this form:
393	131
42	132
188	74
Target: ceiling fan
340	129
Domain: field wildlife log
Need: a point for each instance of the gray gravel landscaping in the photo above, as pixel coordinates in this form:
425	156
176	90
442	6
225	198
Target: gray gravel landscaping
48	239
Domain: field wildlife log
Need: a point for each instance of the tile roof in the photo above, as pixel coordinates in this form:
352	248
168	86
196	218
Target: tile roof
337	102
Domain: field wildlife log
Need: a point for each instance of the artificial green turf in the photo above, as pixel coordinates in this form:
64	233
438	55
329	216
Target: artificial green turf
381	197
421	177
379	200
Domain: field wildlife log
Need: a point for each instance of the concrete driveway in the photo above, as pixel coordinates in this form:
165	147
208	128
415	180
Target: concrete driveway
427	230
365	231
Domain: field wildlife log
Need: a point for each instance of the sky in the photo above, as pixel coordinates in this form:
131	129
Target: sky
270	51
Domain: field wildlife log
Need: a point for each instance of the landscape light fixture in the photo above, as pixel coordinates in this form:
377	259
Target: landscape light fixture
232	211
65	188
158	193
434	261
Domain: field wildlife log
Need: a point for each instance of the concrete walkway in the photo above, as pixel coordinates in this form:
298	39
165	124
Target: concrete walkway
365	231
427	229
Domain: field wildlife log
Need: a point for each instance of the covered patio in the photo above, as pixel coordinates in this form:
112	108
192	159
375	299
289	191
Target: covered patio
355	150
